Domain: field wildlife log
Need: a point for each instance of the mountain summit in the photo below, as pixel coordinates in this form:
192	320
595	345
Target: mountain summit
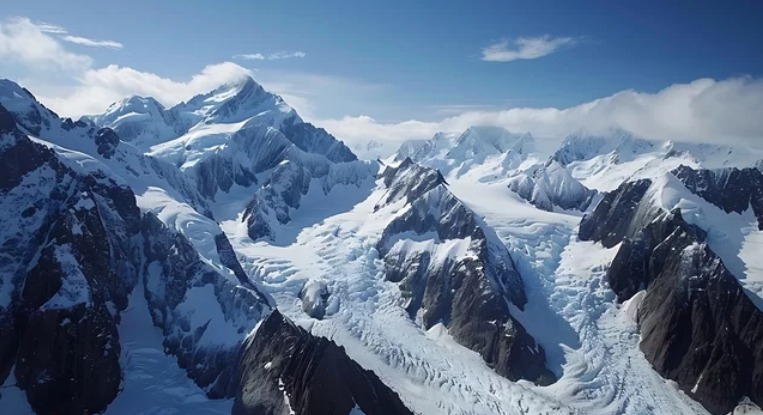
224	256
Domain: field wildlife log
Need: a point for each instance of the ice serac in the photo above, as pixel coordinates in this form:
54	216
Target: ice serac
283	369
551	185
452	269
698	326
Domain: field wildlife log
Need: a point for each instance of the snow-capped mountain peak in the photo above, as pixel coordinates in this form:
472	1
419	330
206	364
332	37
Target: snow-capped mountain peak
480	141
236	102
145	122
30	113
581	146
241	239
135	103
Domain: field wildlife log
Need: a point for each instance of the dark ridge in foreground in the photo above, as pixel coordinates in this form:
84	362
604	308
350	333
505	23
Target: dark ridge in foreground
698	327
284	369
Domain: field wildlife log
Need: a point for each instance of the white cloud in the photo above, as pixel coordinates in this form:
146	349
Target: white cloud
98	88
250	57
451	109
525	48
29	44
90	42
270	57
705	110
50	28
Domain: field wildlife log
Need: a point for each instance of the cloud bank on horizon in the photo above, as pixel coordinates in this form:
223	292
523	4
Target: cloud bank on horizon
704	110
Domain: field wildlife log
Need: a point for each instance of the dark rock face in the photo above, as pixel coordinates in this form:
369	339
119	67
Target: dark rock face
228	258
616	216
409	180
68	269
698	327
731	189
470	294
7	122
107	141
281	193
257	223
171	271
19	157
68	360
630	269
283	369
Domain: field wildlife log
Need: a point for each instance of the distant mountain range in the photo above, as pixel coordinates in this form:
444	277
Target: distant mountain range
225	256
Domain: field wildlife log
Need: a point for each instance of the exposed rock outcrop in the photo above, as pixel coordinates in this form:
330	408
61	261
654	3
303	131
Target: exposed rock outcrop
285	370
67	267
731	189
451	271
698	326
107	142
617	215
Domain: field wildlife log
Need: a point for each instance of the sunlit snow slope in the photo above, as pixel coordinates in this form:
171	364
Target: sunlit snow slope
315	233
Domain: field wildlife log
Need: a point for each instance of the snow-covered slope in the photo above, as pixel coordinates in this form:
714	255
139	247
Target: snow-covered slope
482	272
141	121
69	267
106	221
241	136
551	185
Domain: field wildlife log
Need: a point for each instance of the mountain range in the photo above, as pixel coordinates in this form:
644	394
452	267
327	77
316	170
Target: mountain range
226	256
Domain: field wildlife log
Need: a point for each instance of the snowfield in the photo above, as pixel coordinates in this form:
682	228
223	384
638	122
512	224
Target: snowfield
589	341
322	260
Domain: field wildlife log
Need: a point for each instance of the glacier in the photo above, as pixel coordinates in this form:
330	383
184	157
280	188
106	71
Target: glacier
477	272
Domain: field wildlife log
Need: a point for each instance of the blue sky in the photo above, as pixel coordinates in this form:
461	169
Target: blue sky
413	60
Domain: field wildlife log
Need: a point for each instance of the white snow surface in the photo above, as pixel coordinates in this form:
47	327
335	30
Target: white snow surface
153	383
591	343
